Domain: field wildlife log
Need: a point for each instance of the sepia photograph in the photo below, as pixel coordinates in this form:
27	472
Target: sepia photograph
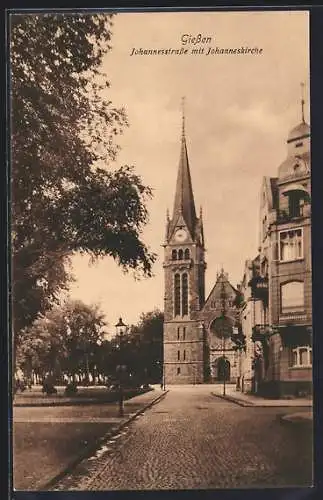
161	274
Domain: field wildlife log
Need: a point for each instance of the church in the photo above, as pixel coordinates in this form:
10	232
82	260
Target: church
198	331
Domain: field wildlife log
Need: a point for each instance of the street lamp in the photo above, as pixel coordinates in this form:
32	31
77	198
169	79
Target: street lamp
121	329
226	331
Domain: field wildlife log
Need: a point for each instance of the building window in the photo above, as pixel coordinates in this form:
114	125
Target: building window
295	204
184	332
184	294
184	356
177	294
302	356
187	254
290	245
292	297
178	370
178	332
180	254
178	355
174	255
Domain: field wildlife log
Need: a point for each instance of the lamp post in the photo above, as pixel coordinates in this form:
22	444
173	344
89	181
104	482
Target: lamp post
224	361
120	329
226	330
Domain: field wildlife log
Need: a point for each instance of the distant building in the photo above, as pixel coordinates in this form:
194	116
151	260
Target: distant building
197	333
280	283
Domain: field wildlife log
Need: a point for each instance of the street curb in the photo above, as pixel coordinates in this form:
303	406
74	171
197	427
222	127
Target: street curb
256	404
288	419
96	444
232	400
70	402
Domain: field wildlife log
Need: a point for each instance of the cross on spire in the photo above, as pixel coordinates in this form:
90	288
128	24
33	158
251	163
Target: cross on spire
302	100
183	116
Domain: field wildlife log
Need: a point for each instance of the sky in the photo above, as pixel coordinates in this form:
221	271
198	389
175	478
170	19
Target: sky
238	109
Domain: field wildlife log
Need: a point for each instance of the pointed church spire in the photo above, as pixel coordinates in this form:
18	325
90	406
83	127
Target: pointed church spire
184	200
302	100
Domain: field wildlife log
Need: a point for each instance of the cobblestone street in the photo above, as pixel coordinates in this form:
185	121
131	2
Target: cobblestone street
192	439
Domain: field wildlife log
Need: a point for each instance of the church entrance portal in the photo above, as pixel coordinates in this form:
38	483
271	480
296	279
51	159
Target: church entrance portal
223	370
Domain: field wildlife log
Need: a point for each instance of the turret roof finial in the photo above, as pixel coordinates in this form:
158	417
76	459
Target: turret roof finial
302	100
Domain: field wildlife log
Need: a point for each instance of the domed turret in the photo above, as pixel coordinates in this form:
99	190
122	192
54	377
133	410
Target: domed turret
297	163
299	132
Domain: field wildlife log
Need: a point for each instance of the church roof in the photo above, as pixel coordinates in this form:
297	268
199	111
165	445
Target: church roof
222	279
184	199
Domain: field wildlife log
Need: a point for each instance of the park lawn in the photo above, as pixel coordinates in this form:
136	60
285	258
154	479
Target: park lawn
43	450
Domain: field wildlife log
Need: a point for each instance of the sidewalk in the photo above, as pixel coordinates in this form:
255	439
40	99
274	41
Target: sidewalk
231	394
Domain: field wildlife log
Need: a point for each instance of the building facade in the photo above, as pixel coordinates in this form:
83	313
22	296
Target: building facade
197	334
278	288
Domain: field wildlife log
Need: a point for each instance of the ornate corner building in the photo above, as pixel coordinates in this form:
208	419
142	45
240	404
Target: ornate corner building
198	345
277	318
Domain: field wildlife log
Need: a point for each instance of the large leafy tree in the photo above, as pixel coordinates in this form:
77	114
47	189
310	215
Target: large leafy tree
146	339
65	195
66	340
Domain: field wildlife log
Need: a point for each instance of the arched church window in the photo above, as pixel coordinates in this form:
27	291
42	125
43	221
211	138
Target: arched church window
184	294
187	254
174	254
177	295
180	254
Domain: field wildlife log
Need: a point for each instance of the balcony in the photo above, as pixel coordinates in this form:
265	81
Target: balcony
284	217
260	332
292	317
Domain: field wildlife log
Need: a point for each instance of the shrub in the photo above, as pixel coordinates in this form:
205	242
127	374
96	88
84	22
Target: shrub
49	388
71	389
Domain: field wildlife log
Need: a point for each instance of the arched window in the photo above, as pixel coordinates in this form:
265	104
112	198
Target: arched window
174	255
184	294
177	295
187	254
180	254
292	297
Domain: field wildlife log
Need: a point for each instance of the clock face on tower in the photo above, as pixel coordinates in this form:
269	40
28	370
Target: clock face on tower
180	235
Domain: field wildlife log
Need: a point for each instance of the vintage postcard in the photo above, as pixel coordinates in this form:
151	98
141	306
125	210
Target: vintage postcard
161	250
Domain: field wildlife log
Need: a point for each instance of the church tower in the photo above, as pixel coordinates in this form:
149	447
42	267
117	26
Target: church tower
184	266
